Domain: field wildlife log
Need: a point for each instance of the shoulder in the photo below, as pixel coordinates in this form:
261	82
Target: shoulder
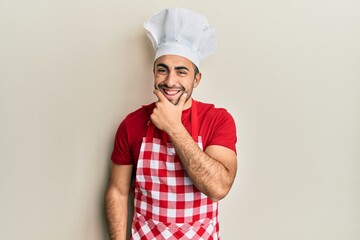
135	123
209	111
140	114
216	126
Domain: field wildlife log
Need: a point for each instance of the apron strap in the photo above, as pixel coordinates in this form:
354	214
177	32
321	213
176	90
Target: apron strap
194	123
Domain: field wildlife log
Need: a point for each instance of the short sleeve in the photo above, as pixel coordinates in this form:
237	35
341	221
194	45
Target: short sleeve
121	153
224	131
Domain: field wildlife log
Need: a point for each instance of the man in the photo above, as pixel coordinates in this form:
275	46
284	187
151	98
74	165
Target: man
179	153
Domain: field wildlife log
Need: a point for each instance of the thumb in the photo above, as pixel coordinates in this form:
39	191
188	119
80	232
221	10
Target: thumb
182	99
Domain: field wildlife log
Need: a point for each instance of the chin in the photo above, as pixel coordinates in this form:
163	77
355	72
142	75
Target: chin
175	101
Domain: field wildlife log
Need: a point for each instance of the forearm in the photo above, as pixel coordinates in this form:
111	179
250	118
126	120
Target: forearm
209	175
116	209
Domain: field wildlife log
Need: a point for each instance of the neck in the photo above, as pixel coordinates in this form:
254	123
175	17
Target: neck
188	104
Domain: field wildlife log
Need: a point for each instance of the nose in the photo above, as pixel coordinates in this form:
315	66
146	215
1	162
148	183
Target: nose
171	79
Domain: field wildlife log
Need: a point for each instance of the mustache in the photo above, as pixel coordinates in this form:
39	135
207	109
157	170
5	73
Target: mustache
164	86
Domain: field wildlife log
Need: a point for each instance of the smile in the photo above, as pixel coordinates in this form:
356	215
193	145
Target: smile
171	92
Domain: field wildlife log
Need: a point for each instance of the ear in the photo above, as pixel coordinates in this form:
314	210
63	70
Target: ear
197	80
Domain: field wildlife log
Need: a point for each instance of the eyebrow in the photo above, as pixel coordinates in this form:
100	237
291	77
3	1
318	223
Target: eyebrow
176	68
181	68
162	65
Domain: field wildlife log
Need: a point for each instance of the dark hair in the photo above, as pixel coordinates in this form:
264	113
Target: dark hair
196	70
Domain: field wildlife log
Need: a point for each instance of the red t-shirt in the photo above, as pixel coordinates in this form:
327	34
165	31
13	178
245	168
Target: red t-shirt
216	127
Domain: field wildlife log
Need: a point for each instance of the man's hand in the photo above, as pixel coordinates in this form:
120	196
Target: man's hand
167	116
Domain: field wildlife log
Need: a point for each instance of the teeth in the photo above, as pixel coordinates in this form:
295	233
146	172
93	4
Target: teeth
171	92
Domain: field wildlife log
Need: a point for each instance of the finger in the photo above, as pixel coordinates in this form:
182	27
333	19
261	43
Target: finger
182	99
160	95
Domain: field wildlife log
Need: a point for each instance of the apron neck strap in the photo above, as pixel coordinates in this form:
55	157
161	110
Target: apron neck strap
194	123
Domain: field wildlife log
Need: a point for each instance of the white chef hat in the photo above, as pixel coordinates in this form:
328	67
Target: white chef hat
182	32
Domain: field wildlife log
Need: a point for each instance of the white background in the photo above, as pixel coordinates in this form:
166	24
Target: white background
288	71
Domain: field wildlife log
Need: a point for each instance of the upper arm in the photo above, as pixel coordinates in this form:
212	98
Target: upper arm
120	178
226	156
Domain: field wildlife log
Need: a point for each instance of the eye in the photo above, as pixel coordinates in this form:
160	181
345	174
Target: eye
182	73
161	70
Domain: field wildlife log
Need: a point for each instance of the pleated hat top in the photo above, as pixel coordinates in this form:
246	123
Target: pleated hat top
179	31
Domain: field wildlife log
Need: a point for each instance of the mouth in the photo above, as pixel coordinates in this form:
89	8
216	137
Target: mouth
172	94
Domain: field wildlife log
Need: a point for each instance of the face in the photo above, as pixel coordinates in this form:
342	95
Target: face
174	75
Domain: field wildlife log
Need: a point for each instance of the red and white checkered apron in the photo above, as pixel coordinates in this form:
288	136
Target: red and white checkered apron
167	204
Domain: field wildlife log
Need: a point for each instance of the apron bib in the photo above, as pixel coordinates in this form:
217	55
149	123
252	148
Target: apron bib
167	204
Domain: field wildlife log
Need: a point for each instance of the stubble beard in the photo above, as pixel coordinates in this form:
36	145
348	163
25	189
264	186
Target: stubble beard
174	101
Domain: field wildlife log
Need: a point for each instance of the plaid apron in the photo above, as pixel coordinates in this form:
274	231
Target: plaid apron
167	204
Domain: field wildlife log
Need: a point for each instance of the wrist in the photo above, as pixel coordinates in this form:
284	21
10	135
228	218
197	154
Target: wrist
177	130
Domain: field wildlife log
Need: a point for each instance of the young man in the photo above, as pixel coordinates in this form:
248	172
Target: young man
179	153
